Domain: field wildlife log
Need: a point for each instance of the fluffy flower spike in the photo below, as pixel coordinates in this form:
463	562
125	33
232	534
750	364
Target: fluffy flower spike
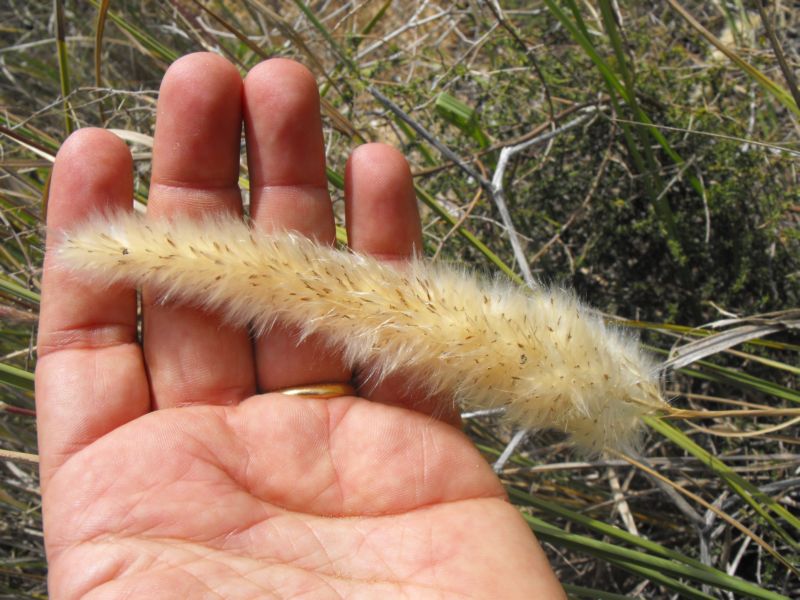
541	354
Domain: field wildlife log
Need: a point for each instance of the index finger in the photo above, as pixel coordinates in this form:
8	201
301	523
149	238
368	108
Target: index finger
90	376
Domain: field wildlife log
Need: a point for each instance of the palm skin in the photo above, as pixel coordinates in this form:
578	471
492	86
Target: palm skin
286	498
166	474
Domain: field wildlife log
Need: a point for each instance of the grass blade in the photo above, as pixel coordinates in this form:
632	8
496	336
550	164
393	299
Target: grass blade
788	72
660	569
63	66
340	52
457	113
156	49
577	591
16	377
431	202
578	30
742	380
750	494
769	86
100	25
373	22
17	291
712	575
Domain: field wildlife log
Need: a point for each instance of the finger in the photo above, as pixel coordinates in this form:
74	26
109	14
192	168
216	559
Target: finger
192	356
289	191
382	220
90	377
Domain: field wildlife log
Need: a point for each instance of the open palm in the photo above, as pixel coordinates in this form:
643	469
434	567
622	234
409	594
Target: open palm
170	471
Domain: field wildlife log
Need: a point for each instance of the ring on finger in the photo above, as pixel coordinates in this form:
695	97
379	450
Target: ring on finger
319	390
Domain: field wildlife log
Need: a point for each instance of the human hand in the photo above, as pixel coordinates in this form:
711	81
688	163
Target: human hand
168	472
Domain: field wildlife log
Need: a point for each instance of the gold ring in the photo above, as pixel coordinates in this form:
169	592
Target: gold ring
319	390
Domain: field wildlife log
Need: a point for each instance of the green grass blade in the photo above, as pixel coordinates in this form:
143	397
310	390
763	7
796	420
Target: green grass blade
644	563
340	52
735	377
786	69
578	30
600	527
769	86
720	578
243	39
653	181
578	591
19	215
335	179
100	25
16	377
731	20
657	576
17	291
720	374
34	139
156	49
367	29
457	113
414	141
775	364
431	202
63	67
613	81
757	500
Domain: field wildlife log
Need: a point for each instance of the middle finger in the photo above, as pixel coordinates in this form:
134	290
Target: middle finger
193	357
289	191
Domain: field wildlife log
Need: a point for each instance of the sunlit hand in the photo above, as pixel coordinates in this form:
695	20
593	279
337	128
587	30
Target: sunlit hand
169	471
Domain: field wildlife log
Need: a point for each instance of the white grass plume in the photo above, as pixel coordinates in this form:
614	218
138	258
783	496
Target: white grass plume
550	361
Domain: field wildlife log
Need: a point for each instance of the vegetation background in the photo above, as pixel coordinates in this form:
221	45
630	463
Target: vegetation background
645	154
